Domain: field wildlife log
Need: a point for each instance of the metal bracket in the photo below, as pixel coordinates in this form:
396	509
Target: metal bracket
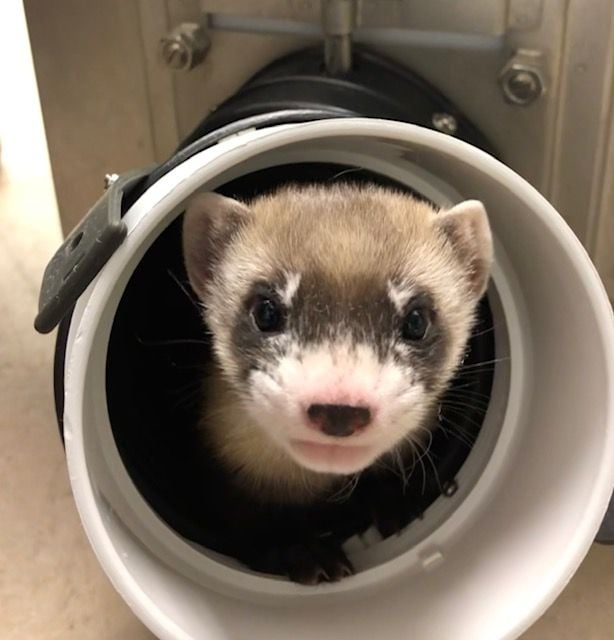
84	252
339	26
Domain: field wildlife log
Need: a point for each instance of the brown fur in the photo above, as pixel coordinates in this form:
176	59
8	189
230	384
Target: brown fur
353	238
262	468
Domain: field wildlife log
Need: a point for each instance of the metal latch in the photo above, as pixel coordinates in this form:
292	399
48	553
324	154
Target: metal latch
84	252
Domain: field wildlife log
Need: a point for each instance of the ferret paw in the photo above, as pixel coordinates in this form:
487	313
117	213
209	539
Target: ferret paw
316	562
312	563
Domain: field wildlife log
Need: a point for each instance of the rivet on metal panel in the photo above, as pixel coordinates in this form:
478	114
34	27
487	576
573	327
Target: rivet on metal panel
445	122
449	488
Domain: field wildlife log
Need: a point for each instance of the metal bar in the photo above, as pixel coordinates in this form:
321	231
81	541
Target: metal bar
377	36
427	39
263	26
338	21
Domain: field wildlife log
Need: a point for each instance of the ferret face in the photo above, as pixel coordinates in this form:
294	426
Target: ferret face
339	314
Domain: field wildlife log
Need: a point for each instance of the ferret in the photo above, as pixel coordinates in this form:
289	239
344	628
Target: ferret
339	314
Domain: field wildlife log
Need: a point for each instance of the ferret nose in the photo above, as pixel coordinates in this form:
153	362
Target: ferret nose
338	420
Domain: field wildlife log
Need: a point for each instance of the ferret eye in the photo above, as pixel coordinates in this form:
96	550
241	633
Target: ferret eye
268	315
415	325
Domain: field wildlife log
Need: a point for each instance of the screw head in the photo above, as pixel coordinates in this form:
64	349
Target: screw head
450	488
445	122
175	54
184	47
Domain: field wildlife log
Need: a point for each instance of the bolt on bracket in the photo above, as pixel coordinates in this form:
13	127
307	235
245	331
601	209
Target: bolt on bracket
522	78
185	46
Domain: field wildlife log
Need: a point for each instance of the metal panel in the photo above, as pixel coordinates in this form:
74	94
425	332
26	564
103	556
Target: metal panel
604	223
109	104
584	108
464	16
94	95
468	77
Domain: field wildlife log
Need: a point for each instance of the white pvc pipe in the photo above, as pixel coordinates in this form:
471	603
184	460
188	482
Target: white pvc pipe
539	478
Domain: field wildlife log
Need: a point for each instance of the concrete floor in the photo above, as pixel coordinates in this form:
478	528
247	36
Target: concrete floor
51	586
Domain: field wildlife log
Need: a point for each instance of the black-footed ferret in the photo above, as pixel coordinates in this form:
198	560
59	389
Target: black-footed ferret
339	315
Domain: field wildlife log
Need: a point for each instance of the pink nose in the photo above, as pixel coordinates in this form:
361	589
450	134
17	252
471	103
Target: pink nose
338	420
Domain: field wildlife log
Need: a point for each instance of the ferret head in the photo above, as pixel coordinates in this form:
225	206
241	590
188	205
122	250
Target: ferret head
339	313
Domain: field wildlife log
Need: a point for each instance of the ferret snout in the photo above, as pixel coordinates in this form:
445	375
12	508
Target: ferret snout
338	420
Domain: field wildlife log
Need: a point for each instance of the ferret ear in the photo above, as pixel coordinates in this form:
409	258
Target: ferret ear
209	223
466	227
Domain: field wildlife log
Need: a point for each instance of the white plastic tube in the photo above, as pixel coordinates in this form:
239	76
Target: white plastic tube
539	477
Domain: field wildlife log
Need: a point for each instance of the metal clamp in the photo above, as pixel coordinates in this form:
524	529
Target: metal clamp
84	252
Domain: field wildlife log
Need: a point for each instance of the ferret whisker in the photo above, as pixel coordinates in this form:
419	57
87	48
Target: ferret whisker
464	401
473	372
403	475
345	491
429	433
465	367
421	450
467	394
409	440
344	172
183	288
191	367
454	429
171	342
420	458
450	432
212	414
467	387
464	385
470	404
461	412
188	399
192	384
484	331
429	458
460	404
471	435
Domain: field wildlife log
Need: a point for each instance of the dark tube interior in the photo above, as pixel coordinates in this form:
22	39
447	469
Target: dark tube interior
158	348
